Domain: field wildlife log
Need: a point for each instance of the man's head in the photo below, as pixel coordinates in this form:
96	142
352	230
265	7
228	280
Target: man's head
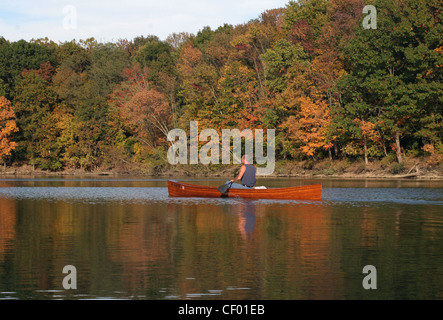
246	159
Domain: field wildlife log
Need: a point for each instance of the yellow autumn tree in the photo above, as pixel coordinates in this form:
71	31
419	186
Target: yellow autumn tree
7	128
368	133
310	126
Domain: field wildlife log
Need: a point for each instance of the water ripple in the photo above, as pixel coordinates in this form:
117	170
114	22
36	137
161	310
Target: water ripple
417	196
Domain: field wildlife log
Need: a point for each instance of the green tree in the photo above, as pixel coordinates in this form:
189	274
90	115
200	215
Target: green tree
304	21
279	60
33	103
394	69
87	74
19	55
107	63
156	55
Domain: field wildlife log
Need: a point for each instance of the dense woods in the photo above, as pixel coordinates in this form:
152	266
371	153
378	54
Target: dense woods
332	89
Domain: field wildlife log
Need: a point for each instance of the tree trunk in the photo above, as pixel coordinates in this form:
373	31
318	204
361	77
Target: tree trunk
397	143
365	150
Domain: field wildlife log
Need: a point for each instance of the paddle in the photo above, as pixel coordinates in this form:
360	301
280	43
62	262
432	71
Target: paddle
223	188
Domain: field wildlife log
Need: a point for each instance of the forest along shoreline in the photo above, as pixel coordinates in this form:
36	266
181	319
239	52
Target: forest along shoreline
334	91
409	169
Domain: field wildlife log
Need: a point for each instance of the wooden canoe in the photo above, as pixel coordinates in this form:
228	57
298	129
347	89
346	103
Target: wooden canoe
309	192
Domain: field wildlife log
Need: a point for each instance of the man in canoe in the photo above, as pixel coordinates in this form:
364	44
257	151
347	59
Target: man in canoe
246	175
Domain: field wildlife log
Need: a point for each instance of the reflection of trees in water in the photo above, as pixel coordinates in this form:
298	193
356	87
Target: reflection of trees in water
275	249
7	225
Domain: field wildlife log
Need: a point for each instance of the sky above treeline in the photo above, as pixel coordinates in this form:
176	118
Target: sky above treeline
111	20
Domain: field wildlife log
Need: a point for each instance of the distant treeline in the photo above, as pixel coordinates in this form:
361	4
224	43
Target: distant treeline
330	87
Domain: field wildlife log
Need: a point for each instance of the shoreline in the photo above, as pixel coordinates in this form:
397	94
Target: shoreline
282	172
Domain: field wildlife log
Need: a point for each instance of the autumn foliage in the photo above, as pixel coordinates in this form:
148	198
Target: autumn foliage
7	128
331	88
310	127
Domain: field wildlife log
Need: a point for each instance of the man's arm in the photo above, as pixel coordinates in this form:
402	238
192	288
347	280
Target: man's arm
240	174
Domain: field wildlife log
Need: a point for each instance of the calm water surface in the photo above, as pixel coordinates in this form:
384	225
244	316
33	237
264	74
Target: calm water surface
128	240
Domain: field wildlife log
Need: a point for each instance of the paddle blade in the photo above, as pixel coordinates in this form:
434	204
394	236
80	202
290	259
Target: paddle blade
224	188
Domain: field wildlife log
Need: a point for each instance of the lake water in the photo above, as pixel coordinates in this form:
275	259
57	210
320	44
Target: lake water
128	240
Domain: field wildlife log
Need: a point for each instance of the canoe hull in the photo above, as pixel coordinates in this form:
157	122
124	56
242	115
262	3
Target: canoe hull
309	192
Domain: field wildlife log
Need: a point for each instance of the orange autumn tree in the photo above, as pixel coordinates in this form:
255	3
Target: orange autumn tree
148	111
309	128
7	128
143	107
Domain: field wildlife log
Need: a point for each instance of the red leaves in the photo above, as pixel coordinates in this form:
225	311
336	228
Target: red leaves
145	109
46	71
